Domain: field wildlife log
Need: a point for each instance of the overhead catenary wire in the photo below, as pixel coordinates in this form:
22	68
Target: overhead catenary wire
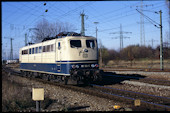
149	19
103	29
124	16
52	7
114	12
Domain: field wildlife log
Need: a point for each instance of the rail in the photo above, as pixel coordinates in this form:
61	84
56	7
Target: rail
152	105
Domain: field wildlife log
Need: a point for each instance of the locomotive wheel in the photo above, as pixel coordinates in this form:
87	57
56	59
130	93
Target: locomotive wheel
51	77
62	80
79	80
38	75
66	80
99	77
46	77
43	76
23	73
33	74
28	74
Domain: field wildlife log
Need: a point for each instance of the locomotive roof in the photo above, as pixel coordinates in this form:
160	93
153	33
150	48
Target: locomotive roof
66	37
63	35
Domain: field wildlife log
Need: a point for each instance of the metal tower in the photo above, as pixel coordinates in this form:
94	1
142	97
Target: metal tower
142	28
11	51
121	36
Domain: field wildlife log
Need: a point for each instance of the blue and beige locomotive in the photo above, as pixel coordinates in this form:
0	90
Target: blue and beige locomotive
68	56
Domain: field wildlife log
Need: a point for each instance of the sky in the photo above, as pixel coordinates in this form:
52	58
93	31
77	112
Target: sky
19	16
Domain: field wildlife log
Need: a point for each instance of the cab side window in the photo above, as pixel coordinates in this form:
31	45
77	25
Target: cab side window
36	50
40	49
30	51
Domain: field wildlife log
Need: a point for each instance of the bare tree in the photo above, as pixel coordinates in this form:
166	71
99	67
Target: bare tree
46	29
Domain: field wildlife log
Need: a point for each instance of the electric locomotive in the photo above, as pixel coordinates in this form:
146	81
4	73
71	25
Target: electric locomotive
68	56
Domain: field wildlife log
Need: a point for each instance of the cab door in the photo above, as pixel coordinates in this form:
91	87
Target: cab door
91	49
59	56
59	51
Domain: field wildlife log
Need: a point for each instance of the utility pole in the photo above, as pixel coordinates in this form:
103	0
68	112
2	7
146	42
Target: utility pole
121	36
25	39
82	24
96	28
161	39
161	43
11	52
100	60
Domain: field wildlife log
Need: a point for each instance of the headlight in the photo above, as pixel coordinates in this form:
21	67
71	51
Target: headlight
92	65
73	66
77	66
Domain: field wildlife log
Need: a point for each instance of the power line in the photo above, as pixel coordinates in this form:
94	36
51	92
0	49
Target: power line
110	12
121	36
121	18
152	41
149	19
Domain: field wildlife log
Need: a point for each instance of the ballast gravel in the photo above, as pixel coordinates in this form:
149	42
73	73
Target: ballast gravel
67	100
159	75
157	90
145	85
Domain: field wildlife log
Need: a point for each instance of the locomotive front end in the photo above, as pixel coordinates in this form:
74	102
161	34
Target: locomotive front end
83	57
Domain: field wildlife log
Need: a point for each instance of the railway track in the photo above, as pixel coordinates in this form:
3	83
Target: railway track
141	79
146	98
135	69
147	101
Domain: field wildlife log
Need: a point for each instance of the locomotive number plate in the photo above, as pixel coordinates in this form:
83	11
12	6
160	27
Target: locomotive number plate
85	55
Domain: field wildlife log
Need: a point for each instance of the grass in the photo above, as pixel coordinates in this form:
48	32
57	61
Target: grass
141	63
17	97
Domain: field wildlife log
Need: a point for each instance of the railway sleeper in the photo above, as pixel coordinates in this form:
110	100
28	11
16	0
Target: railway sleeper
147	97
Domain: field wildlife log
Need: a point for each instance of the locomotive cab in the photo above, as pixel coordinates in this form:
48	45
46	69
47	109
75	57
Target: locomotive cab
81	49
83	58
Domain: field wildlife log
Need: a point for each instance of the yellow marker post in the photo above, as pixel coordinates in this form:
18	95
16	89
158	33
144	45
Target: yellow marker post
37	95
137	102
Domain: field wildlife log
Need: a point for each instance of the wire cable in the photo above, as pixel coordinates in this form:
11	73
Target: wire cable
149	19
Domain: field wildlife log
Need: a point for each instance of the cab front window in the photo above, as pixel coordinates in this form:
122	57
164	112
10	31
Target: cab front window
90	43
75	43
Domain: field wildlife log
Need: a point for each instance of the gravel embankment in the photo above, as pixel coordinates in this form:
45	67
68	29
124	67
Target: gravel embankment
158	90
68	100
158	75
